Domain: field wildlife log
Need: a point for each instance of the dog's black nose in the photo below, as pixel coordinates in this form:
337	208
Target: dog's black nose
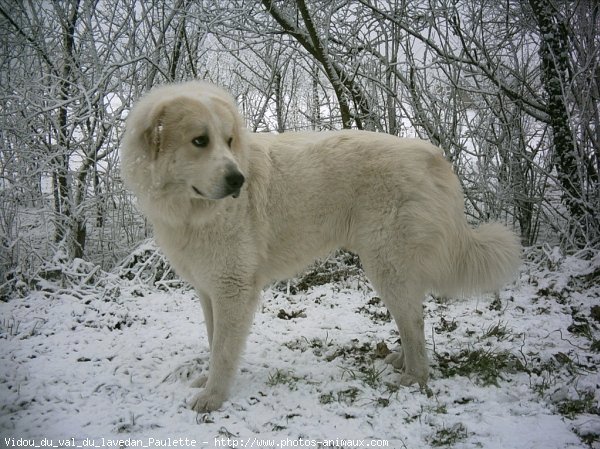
235	180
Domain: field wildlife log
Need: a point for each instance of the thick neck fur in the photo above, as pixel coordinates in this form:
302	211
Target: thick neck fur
171	216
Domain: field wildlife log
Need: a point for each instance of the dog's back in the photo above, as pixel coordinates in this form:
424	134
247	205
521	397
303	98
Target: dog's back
360	190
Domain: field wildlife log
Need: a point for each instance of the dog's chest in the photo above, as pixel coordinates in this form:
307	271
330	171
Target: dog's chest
199	256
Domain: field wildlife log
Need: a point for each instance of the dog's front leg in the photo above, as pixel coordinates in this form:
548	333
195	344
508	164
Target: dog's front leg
232	318
206	303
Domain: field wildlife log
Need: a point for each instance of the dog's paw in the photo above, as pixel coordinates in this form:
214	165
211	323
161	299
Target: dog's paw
407	378
200	382
206	401
396	359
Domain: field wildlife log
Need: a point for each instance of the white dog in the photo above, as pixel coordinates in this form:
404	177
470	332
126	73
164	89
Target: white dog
234	210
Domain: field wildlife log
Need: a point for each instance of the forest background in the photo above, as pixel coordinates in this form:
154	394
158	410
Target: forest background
509	90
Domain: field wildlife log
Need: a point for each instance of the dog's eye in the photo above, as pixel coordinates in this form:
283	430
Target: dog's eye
229	142
200	141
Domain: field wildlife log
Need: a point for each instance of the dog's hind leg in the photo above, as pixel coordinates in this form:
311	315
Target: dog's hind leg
232	310
407	309
405	303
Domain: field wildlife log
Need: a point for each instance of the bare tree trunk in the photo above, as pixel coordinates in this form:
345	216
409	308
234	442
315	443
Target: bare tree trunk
554	65
315	116
279	101
63	206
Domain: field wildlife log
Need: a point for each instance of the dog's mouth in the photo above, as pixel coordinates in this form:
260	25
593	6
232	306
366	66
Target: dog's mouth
198	192
234	193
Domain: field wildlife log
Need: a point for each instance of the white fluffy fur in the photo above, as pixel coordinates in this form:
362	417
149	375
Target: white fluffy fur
396	202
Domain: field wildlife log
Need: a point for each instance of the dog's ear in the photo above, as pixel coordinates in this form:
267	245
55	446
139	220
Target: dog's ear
153	131
238	121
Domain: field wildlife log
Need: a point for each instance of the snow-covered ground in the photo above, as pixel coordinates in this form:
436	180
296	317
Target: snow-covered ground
90	357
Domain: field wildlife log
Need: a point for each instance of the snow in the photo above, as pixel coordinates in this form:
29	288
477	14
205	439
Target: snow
108	361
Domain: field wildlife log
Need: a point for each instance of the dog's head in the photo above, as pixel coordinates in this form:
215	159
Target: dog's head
184	141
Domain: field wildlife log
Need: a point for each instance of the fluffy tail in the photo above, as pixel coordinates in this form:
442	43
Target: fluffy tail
487	258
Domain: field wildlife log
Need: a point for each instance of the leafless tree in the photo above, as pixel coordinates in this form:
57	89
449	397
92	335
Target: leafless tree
510	91
70	70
